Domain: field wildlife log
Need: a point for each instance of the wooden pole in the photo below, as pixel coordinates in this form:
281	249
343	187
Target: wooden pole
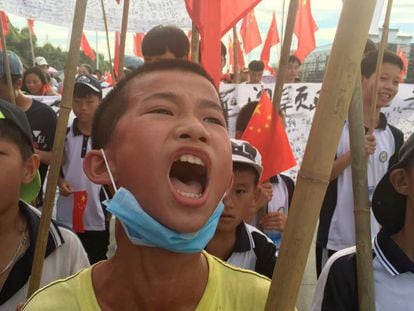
283	25
365	274
284	57
123	37
31	44
6	65
107	42
236	56
381	49
313	177
195	44
58	145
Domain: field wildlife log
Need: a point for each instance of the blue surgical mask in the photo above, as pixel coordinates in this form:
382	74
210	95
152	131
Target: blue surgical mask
144	230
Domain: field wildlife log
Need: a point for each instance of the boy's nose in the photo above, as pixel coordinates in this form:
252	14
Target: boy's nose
193	129
227	201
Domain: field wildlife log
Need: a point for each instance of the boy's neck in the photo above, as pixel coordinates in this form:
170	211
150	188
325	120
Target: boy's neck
85	127
222	244
10	220
405	237
23	101
368	115
156	279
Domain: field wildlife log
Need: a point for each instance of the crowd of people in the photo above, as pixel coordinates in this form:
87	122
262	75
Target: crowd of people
194	226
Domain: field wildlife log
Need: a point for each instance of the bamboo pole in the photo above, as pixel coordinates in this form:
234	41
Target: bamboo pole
381	49
365	274
313	177
236	56
123	37
284	57
58	145
6	65
107	41
31	44
195	44
283	25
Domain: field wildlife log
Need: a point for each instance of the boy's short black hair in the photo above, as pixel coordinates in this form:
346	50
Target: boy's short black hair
256	65
369	62
10	132
243	167
165	37
245	114
294	59
115	103
369	46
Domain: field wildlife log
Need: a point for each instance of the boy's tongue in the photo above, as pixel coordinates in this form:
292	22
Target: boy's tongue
191	186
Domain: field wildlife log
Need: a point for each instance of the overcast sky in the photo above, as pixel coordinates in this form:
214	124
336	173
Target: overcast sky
325	12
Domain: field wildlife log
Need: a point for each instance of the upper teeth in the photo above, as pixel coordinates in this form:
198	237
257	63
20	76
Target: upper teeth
191	159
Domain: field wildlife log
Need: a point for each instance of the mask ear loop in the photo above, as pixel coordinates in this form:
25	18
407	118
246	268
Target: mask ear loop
109	170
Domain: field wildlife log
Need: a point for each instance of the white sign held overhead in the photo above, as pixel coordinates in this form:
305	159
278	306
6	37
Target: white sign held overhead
143	14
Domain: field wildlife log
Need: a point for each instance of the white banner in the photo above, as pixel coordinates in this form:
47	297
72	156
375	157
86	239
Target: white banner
143	14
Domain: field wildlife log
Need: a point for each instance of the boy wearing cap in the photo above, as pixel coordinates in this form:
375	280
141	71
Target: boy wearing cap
235	241
160	139
256	68
393	250
79	204
19	222
42	118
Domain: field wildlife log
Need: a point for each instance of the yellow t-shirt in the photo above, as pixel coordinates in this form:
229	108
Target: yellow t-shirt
228	288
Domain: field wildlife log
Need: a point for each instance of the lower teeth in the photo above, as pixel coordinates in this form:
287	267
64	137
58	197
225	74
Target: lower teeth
189	195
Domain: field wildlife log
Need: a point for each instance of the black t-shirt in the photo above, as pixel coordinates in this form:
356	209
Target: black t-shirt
43	121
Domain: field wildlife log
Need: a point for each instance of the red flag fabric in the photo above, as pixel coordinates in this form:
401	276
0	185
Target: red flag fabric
80	199
213	19
138	37
403	57
240	55
272	39
266	132
250	33
116	53
30	24
305	28
86	48
4	22
108	78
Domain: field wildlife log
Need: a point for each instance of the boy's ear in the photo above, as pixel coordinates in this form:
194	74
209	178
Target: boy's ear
399	181
95	168
31	166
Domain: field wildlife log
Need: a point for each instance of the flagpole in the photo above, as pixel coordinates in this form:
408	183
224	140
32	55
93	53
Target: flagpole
123	37
284	57
236	56
31	43
362	211
283	25
58	146
107	42
97	52
313	177
381	49
6	65
195	44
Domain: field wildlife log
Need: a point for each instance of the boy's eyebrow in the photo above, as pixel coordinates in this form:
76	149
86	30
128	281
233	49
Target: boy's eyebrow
173	97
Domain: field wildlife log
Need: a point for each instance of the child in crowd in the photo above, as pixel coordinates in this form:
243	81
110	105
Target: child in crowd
160	139
393	250
235	241
79	204
19	222
336	228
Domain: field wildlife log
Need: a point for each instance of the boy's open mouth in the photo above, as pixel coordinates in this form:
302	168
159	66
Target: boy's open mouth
188	176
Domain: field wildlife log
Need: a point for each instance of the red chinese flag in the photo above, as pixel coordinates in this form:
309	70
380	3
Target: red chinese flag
266	132
305	28
272	39
80	199
240	55
30	24
213	19
401	54
86	48
250	33
116	53
138	37
4	22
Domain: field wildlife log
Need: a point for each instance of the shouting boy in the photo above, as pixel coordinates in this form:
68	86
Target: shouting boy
19	222
235	241
393	253
161	137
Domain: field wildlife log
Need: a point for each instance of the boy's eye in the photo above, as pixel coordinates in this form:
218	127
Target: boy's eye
240	191
162	111
214	120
